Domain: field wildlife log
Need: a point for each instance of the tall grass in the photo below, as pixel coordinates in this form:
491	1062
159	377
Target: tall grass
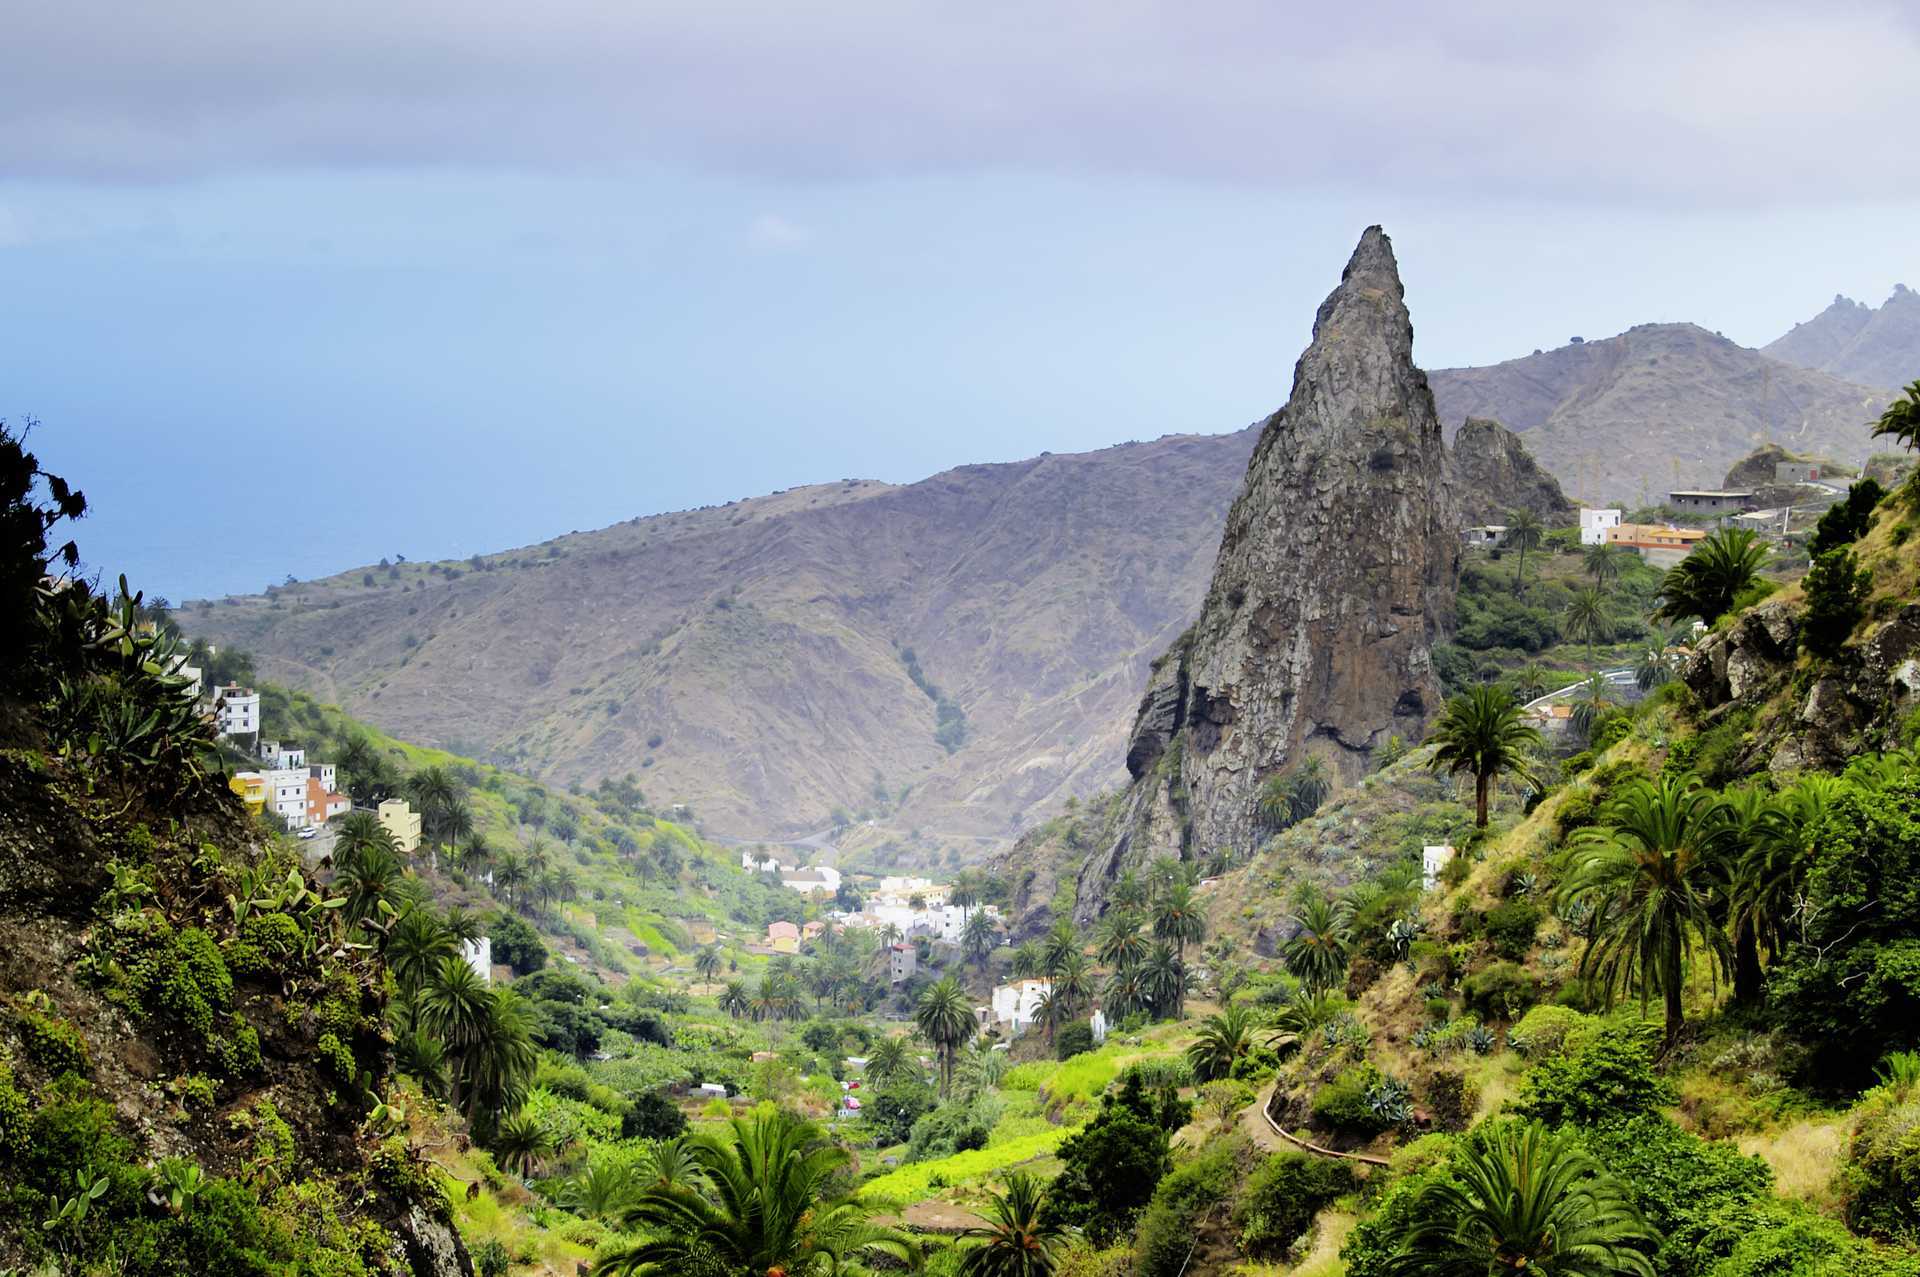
919	1181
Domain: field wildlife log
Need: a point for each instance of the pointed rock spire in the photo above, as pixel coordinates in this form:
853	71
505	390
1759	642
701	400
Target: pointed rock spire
1335	575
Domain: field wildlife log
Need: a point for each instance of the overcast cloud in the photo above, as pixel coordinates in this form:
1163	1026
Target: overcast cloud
1702	104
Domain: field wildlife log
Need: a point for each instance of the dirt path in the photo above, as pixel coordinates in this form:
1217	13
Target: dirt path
1267	1134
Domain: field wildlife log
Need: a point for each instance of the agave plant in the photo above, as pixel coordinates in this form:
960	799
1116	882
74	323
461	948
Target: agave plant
1479	1039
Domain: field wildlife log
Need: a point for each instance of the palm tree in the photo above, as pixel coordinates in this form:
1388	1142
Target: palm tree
669	1164
603	1190
369	878
415	946
521	1143
1654	669
1061	940
1603	563
356	831
1126	990
735	1000
456	1005
889	1060
979	938
510	874
1586	618
706	963
1122	943
769	1203
1524	532
1072	982
945	1018
1051	1010
1289	797
1177	918
1482	733
1530	683
497	1071
1706	582
1652	874
1224	1039
1901	420
1019	1237
1317	953
1525	1199
1776	848
1596	696
1129	893
1028	959
1165	976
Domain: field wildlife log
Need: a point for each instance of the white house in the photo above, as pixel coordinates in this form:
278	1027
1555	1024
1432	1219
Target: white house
1016	1005
1594	525
287	794
1099	1025
236	710
478	954
1432	861
283	758
1489	536
326	773
817	880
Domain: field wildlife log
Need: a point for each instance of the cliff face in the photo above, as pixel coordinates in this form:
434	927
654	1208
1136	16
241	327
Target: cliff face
1495	475
1333	579
1875	347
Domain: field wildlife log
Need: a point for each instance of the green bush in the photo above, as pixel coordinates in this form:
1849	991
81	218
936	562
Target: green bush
1543	1031
1277	1204
1502	991
1511	925
1837	589
1344	1104
1073	1039
265	943
1698	1195
1881	1175
1603	1076
15	1117
1164	1239
1452	1100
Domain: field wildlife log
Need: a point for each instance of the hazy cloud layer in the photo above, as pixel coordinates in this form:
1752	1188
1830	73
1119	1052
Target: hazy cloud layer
1700	104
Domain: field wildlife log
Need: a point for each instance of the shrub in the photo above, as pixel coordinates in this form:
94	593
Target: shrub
516	944
1543	1031
14	1118
1279	1200
1837	589
1603	1076
1073	1039
1881	1176
1452	1100
1346	1103
490	1259
1510	927
1502	991
1698	1195
652	1116
266	941
1164	1238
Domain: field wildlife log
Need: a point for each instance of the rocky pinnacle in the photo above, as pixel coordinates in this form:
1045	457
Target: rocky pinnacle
1335	576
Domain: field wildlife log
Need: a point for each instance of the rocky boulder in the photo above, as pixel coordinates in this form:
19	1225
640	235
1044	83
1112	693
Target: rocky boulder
1495	475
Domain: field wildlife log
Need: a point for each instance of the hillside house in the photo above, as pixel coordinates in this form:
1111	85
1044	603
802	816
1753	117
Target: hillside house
822	880
1594	525
1710	501
1785	472
1433	859
282	757
1490	536
1017	1005
1658	544
323	804
326	773
902	961
236	710
287	795
783	937
478	955
398	818
251	787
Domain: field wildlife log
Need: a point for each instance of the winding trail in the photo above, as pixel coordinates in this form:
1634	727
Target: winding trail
1268	1134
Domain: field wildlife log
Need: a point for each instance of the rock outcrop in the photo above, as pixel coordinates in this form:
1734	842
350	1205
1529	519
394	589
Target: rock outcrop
1334	578
1874	347
1495	475
1826	712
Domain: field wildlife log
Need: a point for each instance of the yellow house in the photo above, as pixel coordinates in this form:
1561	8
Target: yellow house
252	789
399	818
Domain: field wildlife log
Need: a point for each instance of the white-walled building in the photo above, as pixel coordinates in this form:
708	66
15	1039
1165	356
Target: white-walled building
1017	1005
1432	861
478	954
1594	525
236	710
287	794
283	758
326	773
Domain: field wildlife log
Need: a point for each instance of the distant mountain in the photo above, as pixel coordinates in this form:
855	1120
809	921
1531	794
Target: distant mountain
1858	343
752	659
1660	406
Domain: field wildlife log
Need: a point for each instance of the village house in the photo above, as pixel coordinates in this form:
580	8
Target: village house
478	955
1594	525
783	937
1785	472
1657	543
282	757
323	804
251	787
1016	1005
1489	536
398	818
902	961
236	710
287	795
1709	501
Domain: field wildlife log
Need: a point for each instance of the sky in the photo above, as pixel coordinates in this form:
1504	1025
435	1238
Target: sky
291	288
